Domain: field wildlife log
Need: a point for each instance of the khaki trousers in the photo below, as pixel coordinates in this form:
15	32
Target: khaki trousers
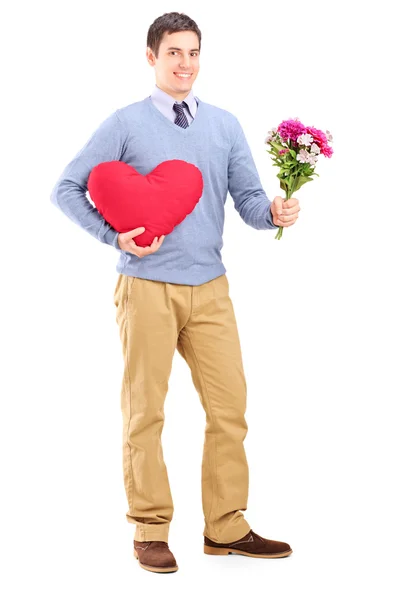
154	319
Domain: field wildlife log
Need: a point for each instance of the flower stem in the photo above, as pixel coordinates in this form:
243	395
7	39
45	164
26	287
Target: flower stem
288	193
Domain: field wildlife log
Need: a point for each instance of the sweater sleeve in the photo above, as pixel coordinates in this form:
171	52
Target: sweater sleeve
69	192
245	187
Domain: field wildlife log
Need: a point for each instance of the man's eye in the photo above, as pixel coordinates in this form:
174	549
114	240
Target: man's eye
174	52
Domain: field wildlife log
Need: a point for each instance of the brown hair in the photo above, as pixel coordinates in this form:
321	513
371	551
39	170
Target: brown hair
170	23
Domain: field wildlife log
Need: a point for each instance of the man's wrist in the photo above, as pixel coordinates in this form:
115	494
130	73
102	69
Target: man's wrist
272	217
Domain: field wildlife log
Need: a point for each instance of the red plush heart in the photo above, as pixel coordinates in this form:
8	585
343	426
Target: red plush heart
157	201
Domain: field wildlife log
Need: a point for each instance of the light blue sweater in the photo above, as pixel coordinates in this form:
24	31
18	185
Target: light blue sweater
142	136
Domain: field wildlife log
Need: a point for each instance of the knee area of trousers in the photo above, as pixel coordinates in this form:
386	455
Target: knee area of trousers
145	424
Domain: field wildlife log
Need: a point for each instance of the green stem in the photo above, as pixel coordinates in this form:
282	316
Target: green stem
288	193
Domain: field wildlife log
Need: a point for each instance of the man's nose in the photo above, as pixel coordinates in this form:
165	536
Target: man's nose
185	62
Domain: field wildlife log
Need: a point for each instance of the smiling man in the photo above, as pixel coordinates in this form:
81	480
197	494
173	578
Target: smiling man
174	294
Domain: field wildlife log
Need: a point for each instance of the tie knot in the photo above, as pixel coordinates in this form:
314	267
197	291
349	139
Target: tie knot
178	108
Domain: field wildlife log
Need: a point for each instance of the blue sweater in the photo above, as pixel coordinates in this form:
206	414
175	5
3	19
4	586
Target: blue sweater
141	136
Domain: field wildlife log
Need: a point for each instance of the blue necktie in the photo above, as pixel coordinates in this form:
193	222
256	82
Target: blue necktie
181	118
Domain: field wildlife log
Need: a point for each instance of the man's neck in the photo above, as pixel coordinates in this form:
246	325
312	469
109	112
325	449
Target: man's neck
176	95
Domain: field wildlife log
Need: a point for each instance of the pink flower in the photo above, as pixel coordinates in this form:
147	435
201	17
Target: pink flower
283	151
326	150
291	129
318	135
321	140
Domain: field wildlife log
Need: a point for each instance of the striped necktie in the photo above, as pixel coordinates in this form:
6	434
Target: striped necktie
181	118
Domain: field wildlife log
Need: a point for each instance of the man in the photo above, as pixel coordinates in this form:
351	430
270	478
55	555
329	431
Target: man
175	294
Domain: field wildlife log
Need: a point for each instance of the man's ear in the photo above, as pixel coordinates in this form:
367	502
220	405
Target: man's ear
150	57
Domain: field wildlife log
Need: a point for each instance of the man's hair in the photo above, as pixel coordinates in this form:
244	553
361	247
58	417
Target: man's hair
170	23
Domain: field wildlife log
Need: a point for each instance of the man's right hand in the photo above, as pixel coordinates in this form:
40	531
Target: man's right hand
127	244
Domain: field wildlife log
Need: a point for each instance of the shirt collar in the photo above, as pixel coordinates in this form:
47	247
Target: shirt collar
168	101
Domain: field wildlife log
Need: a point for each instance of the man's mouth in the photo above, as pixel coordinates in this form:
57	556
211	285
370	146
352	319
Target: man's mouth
183	75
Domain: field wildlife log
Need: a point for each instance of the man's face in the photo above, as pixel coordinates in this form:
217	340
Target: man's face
178	54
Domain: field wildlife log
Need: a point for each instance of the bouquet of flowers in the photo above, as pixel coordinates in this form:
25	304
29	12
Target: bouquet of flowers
295	149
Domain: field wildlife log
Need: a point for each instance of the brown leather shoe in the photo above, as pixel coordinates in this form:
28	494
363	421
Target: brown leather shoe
155	556
249	545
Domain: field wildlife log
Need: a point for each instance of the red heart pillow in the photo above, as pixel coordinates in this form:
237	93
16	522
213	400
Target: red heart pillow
157	201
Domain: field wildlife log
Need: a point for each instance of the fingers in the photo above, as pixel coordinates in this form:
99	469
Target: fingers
287	211
290	211
156	243
140	251
286	220
135	232
128	235
290	203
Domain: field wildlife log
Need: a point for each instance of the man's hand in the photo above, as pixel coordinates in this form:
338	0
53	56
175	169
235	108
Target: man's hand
284	212
127	244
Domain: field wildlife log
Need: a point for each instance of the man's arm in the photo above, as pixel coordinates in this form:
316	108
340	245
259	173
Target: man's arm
245	187
69	192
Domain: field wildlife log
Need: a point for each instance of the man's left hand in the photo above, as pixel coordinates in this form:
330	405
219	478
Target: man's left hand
284	212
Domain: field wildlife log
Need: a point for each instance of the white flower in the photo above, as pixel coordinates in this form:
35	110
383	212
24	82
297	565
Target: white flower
305	139
315	149
329	136
272	134
305	157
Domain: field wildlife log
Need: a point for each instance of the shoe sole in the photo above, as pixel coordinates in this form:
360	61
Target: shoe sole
225	551
155	569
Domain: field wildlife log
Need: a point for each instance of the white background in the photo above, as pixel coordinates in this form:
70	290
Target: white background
317	311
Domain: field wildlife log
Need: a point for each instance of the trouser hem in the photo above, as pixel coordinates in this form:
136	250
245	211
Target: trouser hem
152	533
230	535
